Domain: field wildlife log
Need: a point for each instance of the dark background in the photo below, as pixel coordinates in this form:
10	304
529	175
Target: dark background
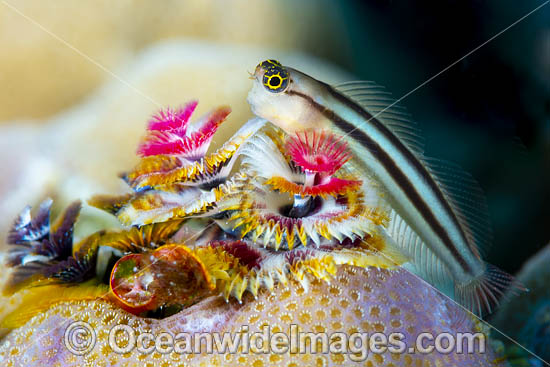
490	112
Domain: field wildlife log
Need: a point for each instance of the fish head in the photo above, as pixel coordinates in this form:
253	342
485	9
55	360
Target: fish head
284	96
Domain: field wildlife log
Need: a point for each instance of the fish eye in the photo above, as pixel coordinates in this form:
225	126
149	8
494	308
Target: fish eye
267	64
276	79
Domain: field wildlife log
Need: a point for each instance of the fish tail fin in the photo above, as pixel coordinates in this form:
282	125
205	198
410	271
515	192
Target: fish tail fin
485	293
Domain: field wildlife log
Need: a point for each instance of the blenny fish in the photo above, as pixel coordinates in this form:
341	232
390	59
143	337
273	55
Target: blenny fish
438	214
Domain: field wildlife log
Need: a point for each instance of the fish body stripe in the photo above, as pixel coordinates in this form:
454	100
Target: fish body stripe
411	159
377	151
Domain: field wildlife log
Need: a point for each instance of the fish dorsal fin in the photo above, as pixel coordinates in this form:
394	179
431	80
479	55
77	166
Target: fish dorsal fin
424	262
462	190
467	200
376	100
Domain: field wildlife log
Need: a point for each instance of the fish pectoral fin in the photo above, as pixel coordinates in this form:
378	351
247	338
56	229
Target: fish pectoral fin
423	262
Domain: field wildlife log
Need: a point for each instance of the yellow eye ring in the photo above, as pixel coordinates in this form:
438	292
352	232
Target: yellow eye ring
275	79
274	82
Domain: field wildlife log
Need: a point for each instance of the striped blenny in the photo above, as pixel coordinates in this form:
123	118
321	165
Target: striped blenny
438	217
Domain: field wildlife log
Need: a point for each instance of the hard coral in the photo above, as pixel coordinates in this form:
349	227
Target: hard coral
291	237
357	300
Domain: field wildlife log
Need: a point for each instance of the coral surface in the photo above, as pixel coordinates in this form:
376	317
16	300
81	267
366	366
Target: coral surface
357	300
268	230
